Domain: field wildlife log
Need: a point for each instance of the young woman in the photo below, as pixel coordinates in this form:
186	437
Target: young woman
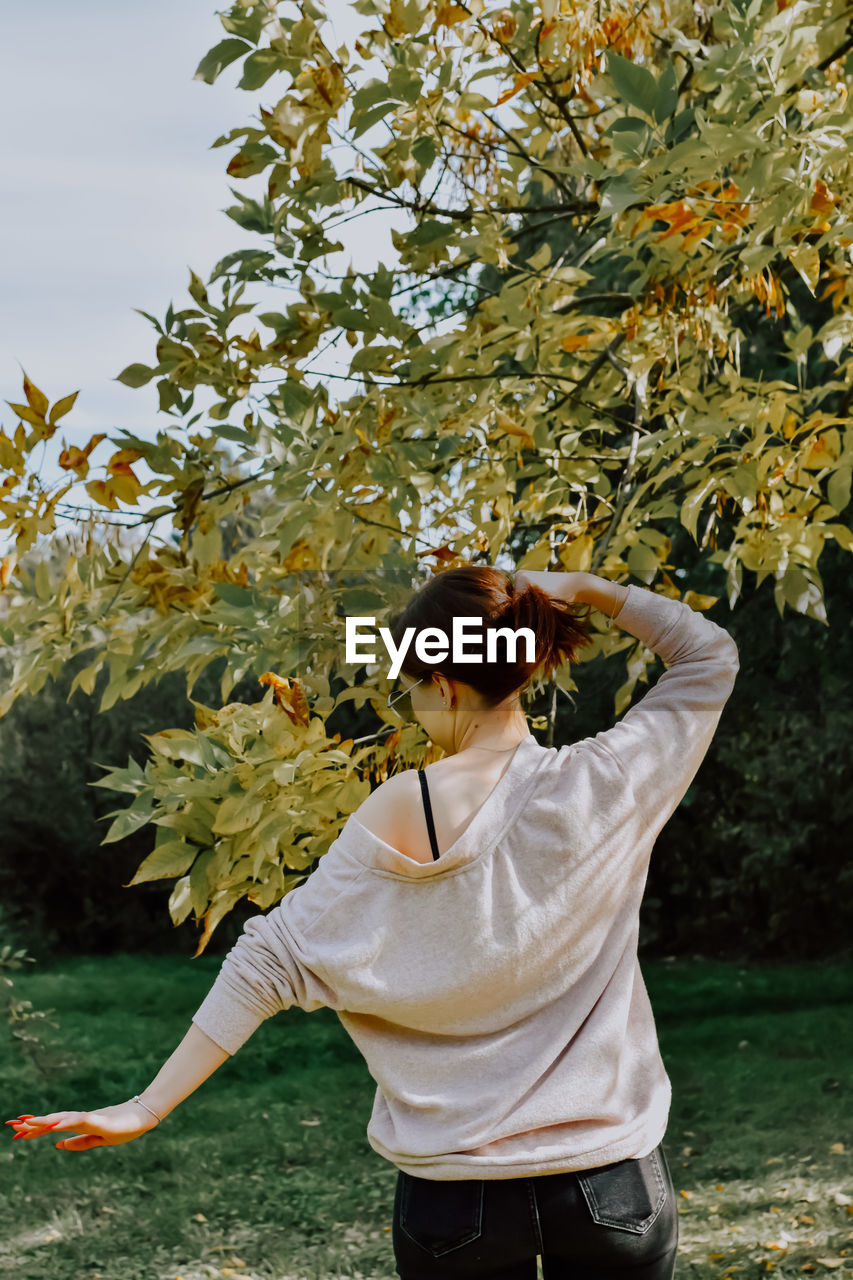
474	926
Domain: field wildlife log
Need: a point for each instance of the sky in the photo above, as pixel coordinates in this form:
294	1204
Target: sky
109	193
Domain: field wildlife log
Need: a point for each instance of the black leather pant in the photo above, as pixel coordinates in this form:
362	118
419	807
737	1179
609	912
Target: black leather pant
617	1222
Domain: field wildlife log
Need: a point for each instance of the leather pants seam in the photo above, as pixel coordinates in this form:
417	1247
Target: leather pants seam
531	1196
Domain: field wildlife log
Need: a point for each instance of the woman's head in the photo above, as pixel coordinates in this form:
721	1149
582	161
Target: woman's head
460	702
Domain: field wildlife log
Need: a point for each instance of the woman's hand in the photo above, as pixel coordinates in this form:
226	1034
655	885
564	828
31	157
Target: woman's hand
564	586
106	1127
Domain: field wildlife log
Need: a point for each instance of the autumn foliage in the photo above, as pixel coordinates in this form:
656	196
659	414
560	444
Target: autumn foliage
609	223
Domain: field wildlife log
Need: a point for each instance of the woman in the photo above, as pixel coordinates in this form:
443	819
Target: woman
474	925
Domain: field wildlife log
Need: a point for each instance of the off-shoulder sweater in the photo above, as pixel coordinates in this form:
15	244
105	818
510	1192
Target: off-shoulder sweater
495	994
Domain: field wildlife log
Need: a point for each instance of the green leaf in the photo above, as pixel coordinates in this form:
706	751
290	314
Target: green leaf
196	289
258	68
364	121
232	593
620	194
218	58
667	94
247	25
135	375
634	84
127	822
689	513
842	535
180	903
237	813
838	488
199	884
172	858
177	744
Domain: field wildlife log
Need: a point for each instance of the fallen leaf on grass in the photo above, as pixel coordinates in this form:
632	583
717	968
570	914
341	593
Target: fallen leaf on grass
837	1148
832	1263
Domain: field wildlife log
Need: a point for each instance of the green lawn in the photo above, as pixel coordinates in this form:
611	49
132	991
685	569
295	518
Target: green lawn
265	1171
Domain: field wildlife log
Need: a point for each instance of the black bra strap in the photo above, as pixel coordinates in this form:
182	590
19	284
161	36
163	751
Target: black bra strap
428	810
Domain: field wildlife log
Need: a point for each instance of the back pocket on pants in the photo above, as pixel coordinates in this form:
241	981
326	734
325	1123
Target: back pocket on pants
440	1216
627	1195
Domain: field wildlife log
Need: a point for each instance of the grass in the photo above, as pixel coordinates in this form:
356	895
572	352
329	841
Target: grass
265	1172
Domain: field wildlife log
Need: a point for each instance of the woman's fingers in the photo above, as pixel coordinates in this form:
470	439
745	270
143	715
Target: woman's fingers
45	1119
36	1126
83	1143
105	1126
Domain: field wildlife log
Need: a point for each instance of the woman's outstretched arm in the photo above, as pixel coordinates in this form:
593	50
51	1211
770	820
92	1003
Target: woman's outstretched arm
196	1058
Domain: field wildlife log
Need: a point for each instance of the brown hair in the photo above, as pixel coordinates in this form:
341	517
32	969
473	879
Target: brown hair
560	627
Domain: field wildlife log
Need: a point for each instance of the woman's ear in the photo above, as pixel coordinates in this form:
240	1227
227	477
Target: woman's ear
445	688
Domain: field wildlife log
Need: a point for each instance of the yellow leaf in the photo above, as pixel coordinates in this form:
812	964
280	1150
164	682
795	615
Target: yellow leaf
823	450
697	601
120	461
576	555
7	568
37	399
513	428
837	1149
822	201
288	695
520	82
74	459
504	25
806	259
28	414
577	341
449	14
63	406
125	487
11	458
100	493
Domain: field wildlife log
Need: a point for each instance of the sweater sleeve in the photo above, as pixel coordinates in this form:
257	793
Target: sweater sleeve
661	741
269	967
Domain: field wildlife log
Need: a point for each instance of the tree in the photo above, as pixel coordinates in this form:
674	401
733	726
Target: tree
622	211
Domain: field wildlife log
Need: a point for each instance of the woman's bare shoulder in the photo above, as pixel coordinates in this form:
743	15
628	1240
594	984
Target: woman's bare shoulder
386	809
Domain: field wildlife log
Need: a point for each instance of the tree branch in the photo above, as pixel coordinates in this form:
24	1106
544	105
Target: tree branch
466	215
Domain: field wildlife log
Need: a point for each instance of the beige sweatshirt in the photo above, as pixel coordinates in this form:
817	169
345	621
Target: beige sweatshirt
495	994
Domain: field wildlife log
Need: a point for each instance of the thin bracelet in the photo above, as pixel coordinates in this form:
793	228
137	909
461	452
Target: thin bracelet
615	611
136	1098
